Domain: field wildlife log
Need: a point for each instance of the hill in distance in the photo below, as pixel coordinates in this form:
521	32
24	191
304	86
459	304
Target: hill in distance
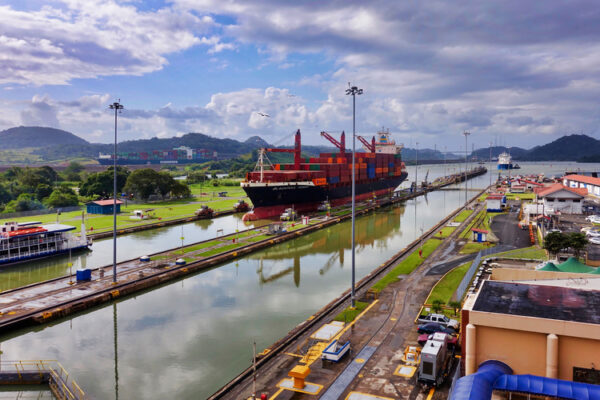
566	148
37	136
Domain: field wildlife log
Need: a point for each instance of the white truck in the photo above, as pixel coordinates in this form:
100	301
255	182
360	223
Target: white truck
438	319
435	360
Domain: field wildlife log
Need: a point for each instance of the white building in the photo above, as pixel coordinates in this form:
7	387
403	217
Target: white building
495	202
564	199
591	184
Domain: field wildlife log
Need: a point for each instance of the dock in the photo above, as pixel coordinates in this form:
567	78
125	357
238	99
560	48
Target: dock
43	302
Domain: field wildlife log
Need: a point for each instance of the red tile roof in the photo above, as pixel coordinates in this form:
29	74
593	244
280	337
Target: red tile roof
531	182
108	202
479	230
583	179
559	186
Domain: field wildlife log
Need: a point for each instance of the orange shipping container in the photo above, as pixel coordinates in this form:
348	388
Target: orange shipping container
277	167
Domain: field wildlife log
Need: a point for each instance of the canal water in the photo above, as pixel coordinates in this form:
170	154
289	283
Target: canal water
186	339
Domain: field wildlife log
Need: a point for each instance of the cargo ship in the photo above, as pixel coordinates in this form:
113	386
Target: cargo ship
29	240
308	182
179	155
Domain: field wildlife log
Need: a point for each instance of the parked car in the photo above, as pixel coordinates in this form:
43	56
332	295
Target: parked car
440	319
594	239
433	327
452	340
593	218
592	233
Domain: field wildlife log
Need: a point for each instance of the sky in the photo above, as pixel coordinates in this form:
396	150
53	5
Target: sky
512	73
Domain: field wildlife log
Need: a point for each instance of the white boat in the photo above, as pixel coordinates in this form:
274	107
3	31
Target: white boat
30	240
505	161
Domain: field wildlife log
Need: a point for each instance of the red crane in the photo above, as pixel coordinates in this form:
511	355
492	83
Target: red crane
340	145
369	146
296	150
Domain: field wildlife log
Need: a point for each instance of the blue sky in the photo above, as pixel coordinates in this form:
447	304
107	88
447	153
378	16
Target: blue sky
511	72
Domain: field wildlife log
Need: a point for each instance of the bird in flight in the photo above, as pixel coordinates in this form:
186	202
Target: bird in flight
263	114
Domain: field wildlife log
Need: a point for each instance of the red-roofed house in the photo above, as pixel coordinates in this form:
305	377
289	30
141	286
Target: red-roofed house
495	202
530	184
479	235
591	184
562	198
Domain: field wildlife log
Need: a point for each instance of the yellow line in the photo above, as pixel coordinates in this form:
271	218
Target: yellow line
359	316
277	393
430	395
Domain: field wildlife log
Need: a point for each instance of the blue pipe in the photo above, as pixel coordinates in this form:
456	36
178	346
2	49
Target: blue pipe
480	385
496	375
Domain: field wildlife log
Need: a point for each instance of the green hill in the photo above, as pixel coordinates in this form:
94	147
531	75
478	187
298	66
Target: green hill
36	136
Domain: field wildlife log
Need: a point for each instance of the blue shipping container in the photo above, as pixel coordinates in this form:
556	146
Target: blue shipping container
334	179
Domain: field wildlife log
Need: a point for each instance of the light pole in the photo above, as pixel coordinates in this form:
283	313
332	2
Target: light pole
466	153
417	167
490	172
353	91
115	106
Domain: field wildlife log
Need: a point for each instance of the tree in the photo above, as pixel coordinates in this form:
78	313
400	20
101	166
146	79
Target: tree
455	305
25	202
101	183
62	198
436	305
577	241
143	183
554	242
42	191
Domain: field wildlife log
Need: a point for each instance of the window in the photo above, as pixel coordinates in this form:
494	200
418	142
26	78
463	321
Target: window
561	200
586	375
427	368
550	198
576	201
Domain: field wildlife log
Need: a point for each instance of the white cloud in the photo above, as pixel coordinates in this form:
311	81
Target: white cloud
87	39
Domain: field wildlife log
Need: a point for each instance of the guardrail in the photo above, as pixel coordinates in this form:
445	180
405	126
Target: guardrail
49	372
464	284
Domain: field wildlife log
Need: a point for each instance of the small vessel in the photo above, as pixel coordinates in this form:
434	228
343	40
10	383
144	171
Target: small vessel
29	240
505	161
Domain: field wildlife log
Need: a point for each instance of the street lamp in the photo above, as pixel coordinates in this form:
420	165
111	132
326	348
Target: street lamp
353	91
115	106
417	167
466	152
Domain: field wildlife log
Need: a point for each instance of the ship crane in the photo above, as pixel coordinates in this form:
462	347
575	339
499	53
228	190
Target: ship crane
368	146
341	145
262	155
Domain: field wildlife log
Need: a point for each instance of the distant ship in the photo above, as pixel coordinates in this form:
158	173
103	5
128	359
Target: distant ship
505	161
309	182
28	240
179	155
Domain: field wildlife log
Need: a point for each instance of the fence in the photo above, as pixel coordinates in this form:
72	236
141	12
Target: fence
39	212
462	288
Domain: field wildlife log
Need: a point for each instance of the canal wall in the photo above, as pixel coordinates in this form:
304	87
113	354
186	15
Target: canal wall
108	291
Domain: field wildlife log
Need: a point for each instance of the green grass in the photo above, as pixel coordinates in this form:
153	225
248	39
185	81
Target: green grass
483	197
258	238
221	249
520	196
464	214
446	287
474	247
201	246
349	314
446	231
407	265
533	252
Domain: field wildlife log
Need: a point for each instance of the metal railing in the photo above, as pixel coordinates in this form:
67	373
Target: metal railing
464	284
59	380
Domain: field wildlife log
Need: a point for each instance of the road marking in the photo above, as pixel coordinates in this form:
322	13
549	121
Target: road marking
430	395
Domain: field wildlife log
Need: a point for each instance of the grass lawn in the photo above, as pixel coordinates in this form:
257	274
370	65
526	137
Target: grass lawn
445	288
520	196
201	246
474	247
445	231
533	252
349	314
464	214
221	249
408	265
483	197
